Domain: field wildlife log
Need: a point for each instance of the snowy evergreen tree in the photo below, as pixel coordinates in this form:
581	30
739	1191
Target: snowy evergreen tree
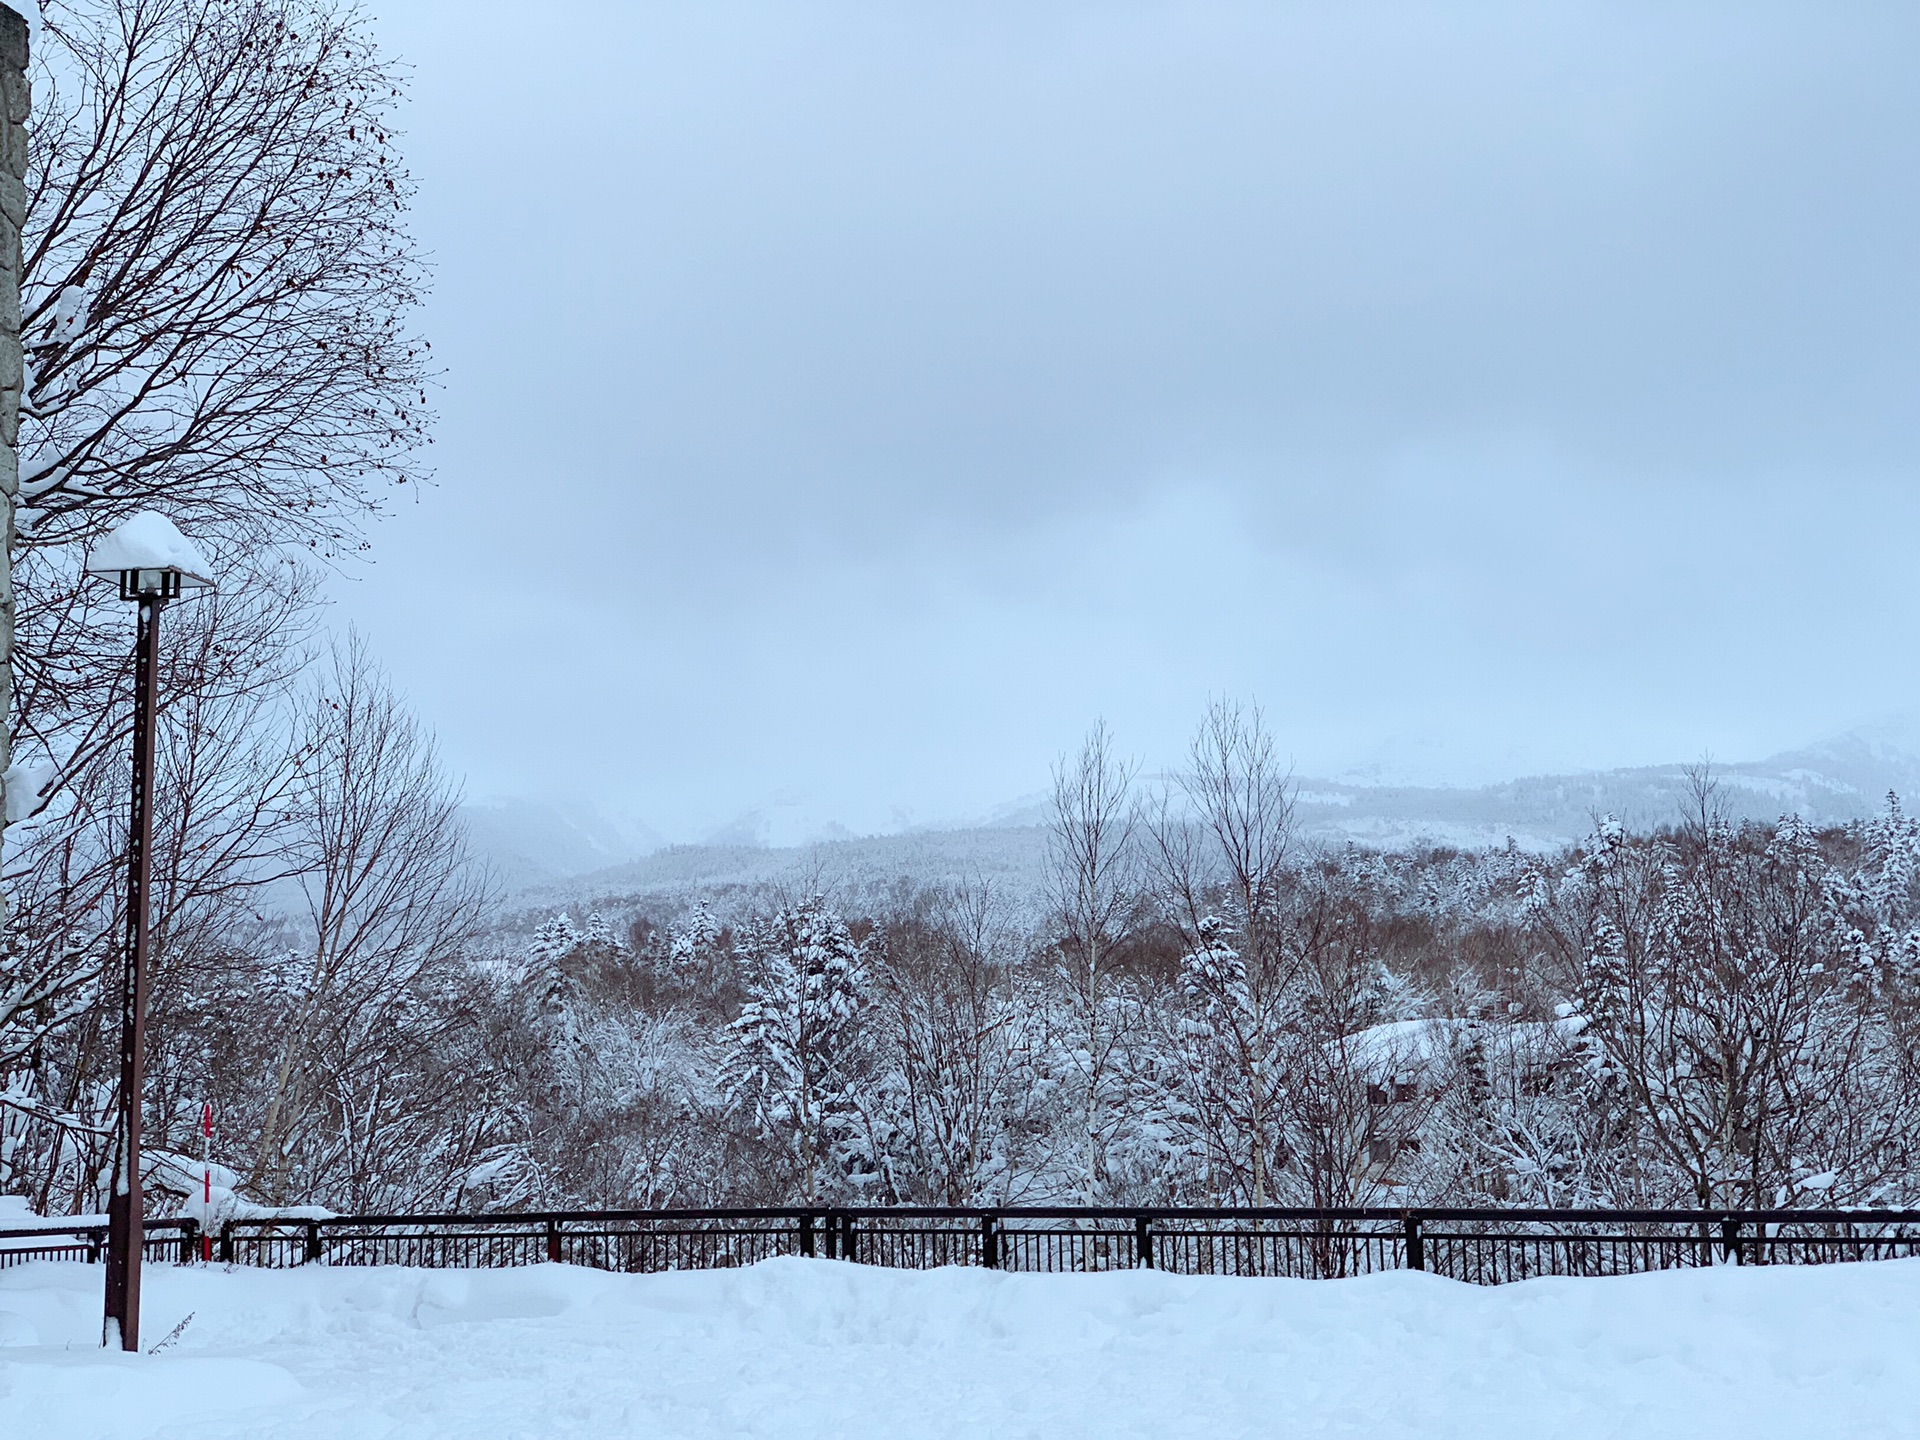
692	945
793	1061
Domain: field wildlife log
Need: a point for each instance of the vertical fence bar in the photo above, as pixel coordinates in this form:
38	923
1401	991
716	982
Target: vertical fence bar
1416	1242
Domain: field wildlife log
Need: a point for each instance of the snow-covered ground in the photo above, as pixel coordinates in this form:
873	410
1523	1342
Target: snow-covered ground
800	1348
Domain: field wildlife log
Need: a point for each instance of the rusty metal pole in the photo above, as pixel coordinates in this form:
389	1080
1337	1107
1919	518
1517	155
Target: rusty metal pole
125	1217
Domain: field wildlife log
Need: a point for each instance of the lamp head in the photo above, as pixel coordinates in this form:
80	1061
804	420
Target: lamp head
151	559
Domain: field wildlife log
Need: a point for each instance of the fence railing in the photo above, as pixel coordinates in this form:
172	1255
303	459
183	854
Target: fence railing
177	1240
1486	1247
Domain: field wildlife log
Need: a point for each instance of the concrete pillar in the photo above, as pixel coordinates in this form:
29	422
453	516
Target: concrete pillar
15	103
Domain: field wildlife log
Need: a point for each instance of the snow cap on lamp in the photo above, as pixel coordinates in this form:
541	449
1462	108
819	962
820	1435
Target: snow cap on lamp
151	557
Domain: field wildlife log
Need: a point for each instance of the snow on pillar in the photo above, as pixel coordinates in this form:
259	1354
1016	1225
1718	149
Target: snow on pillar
15	102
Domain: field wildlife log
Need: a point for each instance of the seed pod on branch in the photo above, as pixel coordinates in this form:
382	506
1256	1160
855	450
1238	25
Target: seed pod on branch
219	282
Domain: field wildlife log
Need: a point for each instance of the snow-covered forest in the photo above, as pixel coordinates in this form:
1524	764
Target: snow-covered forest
1196	1008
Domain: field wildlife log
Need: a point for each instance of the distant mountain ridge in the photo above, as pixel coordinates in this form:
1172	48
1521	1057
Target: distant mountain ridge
560	850
1835	780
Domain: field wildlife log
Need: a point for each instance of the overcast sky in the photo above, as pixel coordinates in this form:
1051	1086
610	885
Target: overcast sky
847	404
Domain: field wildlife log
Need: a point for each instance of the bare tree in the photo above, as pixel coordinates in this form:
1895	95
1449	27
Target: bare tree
953	1011
218	275
217	297
390	896
1094	867
1735	1006
1221	859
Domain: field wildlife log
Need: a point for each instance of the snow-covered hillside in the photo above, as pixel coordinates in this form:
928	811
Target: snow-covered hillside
1841	778
858	872
813	1348
550	855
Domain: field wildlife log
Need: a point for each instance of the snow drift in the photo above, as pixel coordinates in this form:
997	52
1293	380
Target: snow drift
798	1348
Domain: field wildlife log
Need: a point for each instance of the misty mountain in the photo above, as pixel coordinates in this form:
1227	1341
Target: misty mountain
547	851
860	874
1832	781
528	843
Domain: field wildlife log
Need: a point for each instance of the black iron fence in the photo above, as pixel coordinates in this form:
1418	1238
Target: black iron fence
1486	1247
166	1240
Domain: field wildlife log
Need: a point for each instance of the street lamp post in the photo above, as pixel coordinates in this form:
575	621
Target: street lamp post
153	563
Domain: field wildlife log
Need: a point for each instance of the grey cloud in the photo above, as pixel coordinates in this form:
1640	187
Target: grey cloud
1510	355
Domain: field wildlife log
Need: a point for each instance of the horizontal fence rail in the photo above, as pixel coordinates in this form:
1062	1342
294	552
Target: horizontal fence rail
1484	1247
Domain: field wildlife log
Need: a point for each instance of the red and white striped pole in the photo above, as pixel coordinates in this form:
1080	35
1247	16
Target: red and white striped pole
206	1165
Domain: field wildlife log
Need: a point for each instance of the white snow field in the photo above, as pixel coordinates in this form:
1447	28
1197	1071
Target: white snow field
803	1348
